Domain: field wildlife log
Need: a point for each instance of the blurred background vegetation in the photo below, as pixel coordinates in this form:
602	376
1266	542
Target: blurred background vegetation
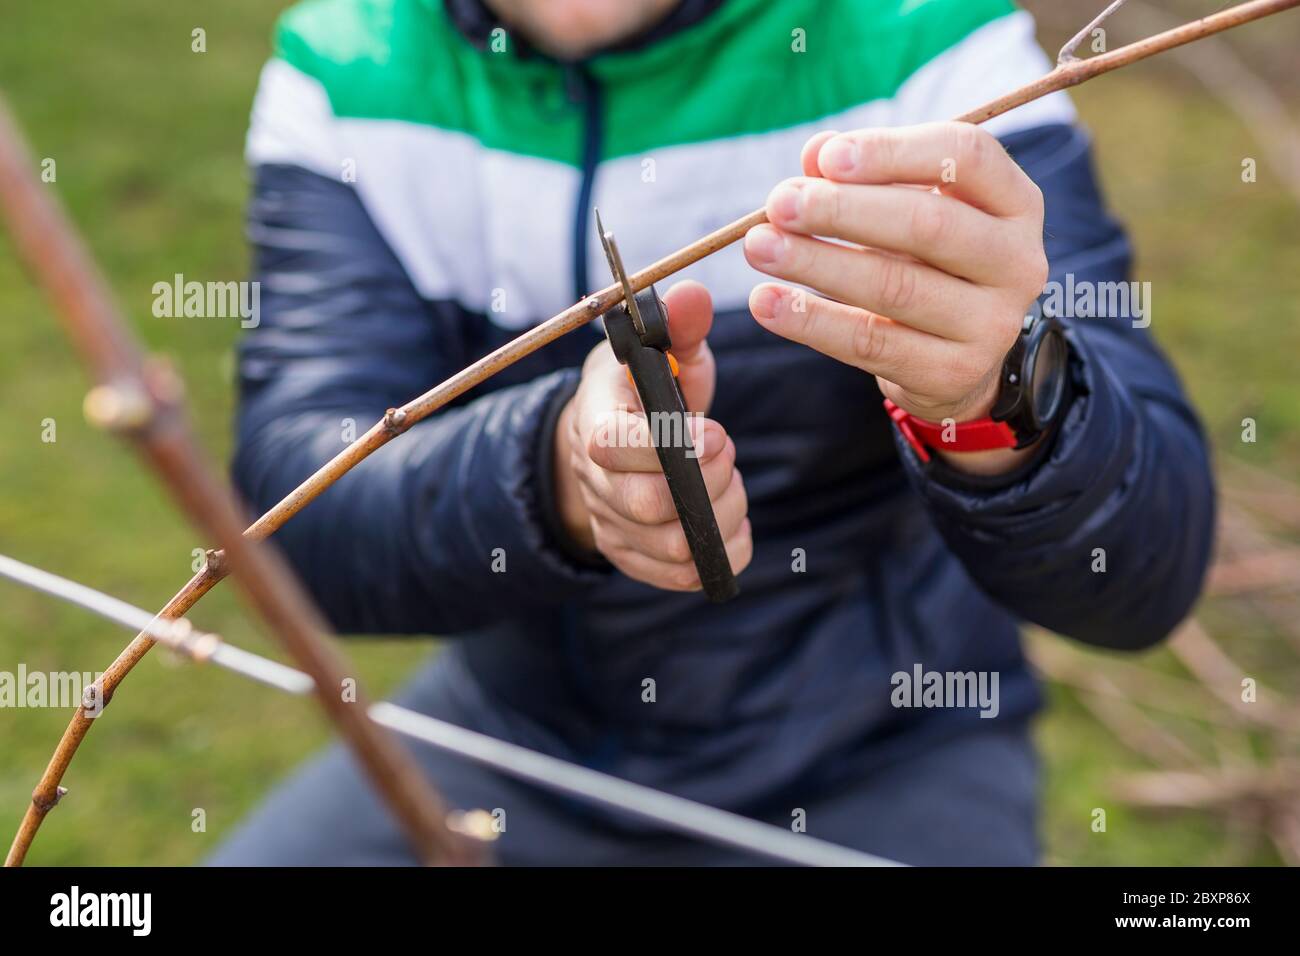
148	139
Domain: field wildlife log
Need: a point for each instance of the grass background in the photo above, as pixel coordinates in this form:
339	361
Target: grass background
147	137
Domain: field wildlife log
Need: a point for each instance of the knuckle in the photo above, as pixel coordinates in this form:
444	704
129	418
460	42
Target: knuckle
931	223
869	340
825	205
971	145
802	315
1037	270
598	437
740	549
1037	205
728	453
682	577
678	550
739	481
607	543
719	473
879	146
1010	331
637	431
800	256
897	284
745	553
642	501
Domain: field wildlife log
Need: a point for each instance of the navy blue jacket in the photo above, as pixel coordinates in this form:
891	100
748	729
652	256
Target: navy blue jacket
791	682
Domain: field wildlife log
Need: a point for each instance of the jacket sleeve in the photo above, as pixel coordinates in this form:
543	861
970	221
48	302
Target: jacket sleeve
440	530
1106	536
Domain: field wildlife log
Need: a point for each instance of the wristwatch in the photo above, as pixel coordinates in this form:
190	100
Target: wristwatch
1031	397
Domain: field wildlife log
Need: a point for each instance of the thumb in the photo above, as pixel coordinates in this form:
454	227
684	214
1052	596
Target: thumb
690	316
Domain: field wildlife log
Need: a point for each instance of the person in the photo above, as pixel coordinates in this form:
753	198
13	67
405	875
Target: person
424	175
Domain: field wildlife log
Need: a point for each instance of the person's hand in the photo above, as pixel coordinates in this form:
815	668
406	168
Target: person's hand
932	292
612	494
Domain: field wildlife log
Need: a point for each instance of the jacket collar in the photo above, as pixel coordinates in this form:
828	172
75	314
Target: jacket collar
476	21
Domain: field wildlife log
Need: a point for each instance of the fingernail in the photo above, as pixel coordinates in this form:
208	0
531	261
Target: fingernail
786	202
765	246
766	300
840	155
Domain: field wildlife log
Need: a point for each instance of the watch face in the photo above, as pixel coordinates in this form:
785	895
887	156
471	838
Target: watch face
1047	378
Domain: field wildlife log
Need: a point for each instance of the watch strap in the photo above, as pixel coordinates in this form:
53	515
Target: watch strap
982	434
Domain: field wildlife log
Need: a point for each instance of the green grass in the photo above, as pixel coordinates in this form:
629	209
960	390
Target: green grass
148	137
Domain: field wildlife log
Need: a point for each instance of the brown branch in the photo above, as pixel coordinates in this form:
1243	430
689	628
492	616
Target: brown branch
1129	723
1222	677
1167	694
1275	569
1263	493
1193	790
397	421
142	402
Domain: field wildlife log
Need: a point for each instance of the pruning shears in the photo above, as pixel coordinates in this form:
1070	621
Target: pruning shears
637	330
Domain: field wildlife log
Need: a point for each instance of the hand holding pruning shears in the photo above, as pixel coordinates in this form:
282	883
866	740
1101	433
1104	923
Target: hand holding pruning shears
668	512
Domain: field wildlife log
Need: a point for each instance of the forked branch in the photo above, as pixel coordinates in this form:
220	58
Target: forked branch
1066	54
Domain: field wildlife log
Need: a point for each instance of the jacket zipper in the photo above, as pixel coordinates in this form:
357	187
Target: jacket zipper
586	92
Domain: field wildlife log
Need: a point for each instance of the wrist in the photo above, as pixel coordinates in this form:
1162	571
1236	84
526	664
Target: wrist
994	432
988	462
996	461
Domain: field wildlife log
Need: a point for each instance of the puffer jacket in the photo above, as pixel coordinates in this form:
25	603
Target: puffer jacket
423	186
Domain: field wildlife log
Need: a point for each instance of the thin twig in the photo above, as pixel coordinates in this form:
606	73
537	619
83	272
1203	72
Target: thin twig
397	421
1222	677
1202	790
178	634
1066	55
1167	694
142	402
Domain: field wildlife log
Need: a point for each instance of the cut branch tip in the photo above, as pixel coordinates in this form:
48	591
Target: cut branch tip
118	407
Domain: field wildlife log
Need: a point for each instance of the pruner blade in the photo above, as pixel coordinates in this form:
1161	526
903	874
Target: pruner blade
620	274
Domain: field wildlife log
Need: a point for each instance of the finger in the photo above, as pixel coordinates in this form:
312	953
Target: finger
679	575
903	289
960	158
674	576
808	156
644	498
621	440
666	541
945	232
690	316
604	387
740	547
853	336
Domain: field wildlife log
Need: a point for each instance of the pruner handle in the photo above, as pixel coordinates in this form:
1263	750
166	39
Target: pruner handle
646	357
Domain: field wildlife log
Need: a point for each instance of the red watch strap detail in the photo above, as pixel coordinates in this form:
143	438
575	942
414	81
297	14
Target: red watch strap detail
983	434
